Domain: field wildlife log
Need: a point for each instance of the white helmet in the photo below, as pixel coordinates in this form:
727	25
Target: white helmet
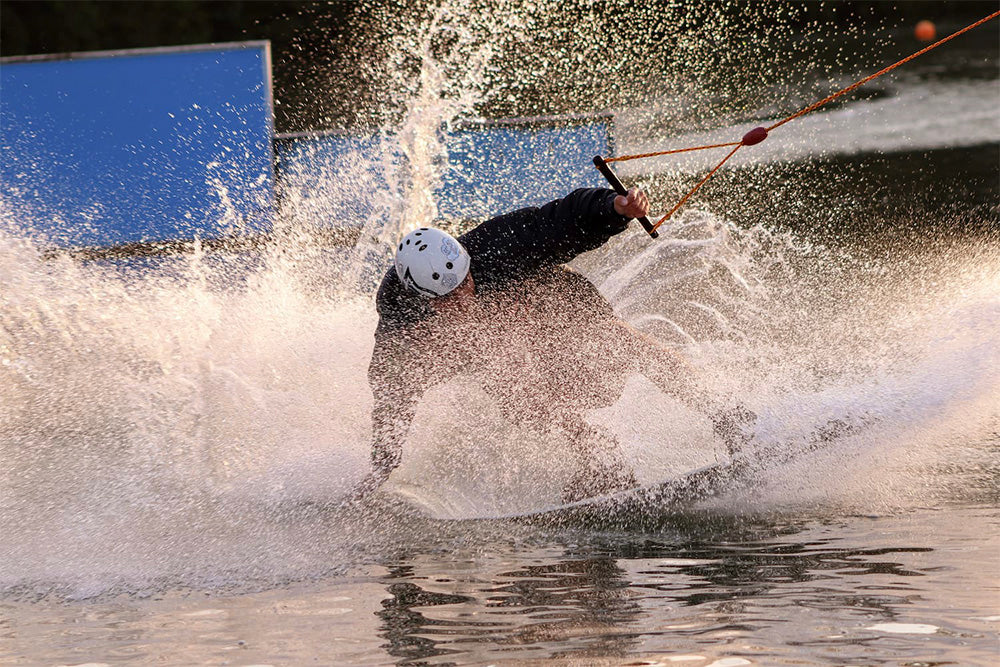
431	262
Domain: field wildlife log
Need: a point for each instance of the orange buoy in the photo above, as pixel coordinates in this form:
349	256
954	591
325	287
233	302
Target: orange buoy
925	31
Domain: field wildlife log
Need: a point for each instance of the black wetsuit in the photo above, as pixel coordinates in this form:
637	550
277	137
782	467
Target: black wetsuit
537	334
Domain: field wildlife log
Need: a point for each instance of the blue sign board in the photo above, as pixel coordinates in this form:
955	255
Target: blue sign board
154	145
138	146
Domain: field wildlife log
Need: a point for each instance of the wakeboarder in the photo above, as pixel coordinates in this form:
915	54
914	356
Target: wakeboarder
499	304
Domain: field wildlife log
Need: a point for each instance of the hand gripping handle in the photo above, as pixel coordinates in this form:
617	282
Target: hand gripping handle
618	187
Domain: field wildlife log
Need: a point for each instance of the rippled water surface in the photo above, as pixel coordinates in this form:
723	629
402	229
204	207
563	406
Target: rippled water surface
913	588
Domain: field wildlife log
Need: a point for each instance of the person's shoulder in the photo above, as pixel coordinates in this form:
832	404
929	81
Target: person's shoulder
485	236
389	283
498	246
391	295
396	305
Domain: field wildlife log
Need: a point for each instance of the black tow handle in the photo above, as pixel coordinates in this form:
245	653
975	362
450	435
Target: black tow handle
605	170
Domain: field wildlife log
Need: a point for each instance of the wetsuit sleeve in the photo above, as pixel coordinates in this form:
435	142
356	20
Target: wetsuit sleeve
396	386
583	220
528	239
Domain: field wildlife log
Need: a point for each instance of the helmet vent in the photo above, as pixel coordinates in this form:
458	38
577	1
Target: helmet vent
435	276
449	265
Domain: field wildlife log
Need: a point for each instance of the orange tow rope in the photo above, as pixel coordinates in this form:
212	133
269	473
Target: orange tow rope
758	134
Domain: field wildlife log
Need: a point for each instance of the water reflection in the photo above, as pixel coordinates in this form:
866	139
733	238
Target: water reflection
540	605
403	622
589	597
620	595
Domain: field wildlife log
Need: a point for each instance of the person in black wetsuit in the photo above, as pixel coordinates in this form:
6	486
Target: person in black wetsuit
498	303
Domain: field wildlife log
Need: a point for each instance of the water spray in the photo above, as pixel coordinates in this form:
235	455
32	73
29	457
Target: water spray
757	134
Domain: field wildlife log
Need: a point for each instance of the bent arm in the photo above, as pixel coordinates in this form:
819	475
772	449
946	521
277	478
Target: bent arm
582	220
523	241
395	393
